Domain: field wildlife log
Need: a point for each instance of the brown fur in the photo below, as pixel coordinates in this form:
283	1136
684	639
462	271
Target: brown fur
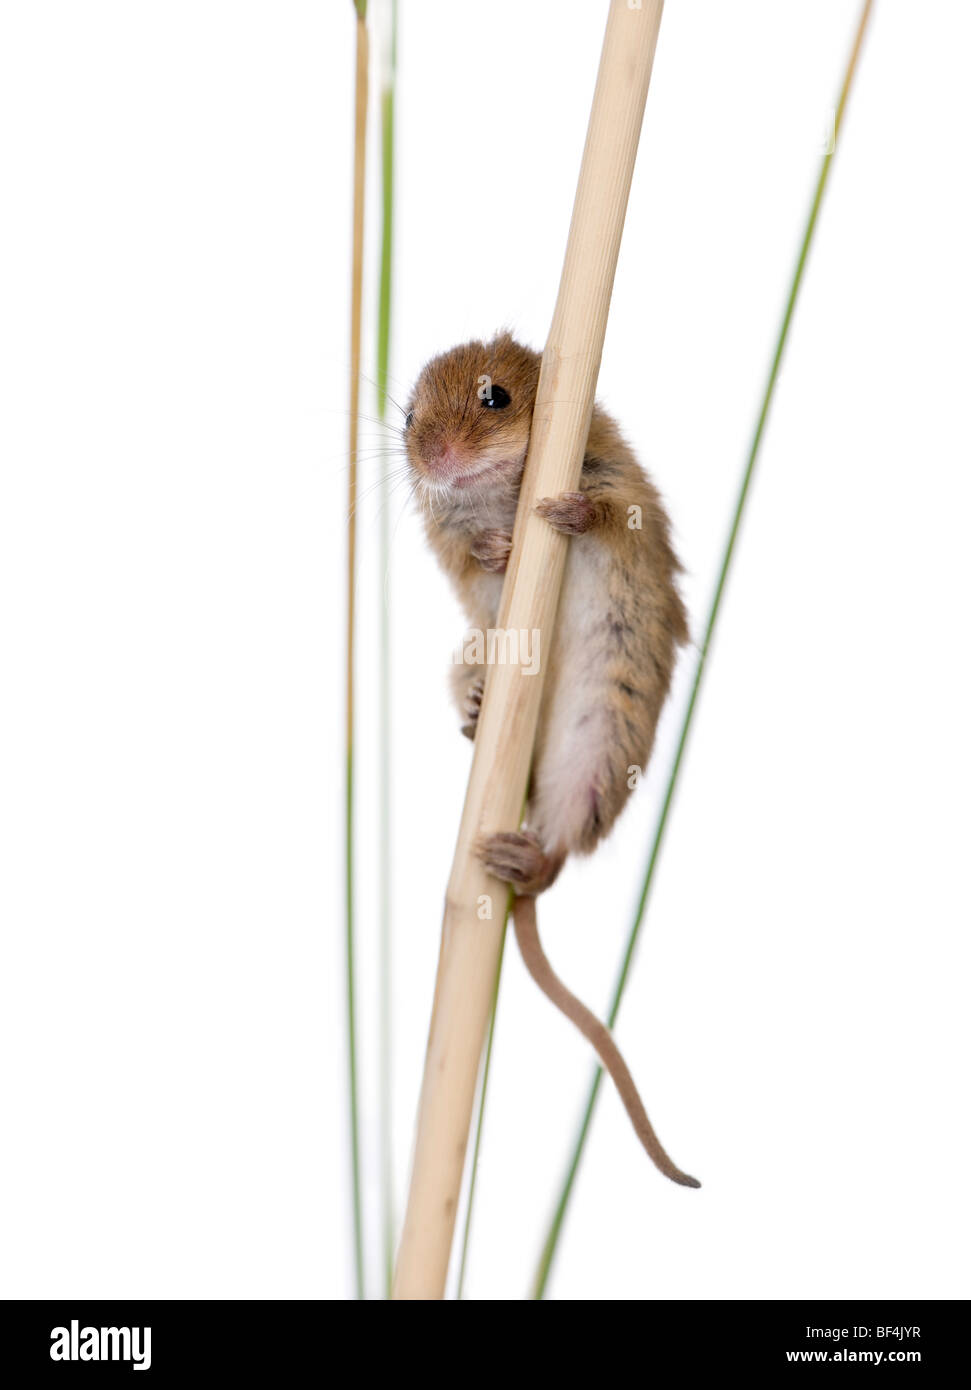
619	626
634	646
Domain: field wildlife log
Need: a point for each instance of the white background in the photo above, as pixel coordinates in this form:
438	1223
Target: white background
173	331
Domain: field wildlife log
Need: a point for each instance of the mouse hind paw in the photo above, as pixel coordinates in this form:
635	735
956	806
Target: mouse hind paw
518	857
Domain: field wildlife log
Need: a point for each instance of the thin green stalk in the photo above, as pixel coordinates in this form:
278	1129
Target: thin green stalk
352	1030
550	1244
384	651
357	277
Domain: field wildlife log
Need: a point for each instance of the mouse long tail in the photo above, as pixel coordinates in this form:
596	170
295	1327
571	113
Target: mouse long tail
524	920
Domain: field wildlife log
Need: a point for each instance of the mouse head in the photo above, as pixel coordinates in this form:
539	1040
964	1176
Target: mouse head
469	415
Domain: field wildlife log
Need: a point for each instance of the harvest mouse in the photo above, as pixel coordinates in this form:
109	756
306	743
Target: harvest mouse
619	626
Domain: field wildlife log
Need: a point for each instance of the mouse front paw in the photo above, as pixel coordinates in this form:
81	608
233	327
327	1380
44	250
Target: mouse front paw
571	513
471	705
491	549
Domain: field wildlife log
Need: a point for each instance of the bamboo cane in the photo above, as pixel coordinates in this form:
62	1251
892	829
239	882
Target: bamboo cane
474	905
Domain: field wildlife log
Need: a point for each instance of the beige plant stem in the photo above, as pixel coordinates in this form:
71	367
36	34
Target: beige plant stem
475	903
357	280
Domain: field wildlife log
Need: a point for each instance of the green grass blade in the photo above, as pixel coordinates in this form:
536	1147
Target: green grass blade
384	652
352	1030
556	1225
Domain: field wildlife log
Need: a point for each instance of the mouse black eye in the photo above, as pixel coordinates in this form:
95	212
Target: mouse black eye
409	419
499	399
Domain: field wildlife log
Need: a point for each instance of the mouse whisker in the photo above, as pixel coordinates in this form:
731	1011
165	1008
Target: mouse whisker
367	492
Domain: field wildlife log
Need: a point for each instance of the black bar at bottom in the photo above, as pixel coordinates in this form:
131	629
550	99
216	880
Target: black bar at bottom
166	1341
